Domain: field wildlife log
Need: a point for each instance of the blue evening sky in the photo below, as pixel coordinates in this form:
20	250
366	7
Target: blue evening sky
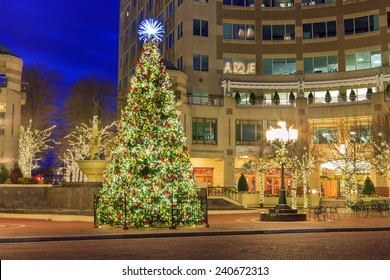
77	37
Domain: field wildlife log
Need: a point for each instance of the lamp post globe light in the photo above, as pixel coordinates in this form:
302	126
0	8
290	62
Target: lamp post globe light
281	137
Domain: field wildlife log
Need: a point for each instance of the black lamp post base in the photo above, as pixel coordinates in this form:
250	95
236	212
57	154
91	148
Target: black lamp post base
282	213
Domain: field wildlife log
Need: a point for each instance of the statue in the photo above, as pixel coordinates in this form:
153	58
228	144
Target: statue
94	151
94	166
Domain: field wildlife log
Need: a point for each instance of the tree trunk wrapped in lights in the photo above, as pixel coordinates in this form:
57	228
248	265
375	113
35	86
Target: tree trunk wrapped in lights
260	162
31	143
149	180
78	147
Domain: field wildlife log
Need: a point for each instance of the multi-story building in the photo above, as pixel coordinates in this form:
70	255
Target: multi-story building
243	65
11	99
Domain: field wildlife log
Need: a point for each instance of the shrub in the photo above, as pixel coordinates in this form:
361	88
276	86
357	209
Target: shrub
328	97
15	174
242	184
368	187
4	174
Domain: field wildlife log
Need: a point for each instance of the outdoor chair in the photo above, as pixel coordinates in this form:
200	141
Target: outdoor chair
333	211
320	211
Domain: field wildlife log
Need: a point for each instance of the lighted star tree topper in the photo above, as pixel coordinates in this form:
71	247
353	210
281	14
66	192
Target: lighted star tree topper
149	181
150	28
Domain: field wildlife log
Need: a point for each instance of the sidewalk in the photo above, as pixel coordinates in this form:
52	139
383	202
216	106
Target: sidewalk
37	228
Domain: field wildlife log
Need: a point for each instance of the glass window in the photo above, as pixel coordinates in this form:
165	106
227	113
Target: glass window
169	9
200	62
360	134
331	28
205	63
196	59
227	31
180	63
319	30
388	19
170	40
374	22
238	31
376	59
361	25
267	66
267	32
196	29
307	32
248	132
278	66
363	60
278	32
350	61
201	28
348	27
242	3
204	131
250	32
290	32
325	135
205	28
180	30
239	66
291	66
308	65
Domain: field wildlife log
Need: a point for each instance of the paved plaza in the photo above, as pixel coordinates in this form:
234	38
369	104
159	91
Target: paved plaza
231	235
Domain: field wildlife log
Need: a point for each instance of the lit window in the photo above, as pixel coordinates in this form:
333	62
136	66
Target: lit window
238	31
204	131
325	135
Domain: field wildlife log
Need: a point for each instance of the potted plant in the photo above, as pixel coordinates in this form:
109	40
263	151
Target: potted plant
310	98
328	97
252	98
237	97
276	98
242	185
291	98
352	95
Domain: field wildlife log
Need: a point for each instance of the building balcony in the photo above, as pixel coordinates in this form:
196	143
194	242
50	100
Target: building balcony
205	100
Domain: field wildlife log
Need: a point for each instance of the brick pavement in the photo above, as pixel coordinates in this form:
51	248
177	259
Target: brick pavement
14	228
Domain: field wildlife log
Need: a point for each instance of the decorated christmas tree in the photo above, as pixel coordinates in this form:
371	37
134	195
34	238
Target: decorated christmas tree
149	181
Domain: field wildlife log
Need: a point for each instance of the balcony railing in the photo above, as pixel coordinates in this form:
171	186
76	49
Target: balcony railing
266	103
205	100
223	191
337	101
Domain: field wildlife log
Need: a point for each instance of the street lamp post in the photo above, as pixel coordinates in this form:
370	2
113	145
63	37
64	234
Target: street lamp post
281	137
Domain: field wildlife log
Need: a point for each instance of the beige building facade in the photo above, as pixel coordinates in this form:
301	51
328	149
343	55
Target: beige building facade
11	100
243	65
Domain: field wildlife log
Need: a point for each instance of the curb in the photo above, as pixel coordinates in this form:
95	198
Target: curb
181	234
